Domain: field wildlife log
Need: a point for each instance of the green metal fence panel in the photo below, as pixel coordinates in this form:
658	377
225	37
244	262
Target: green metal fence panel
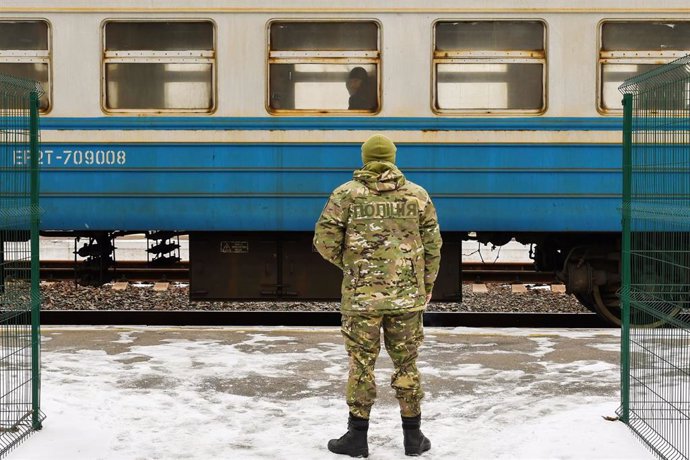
20	411
655	293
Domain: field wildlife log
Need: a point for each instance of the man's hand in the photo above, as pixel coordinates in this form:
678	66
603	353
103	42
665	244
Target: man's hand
428	299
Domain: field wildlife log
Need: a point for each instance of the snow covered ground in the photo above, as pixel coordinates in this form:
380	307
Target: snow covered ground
276	393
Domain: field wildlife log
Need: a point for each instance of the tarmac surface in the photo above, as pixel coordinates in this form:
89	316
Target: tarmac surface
231	392
442	353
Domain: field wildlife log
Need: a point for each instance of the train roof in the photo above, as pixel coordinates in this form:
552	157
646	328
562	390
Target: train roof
354	6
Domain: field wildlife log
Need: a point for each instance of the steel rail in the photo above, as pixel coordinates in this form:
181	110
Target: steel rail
128	270
141	271
302	318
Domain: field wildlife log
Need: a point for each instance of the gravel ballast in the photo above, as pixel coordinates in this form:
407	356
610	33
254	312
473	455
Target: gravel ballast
64	295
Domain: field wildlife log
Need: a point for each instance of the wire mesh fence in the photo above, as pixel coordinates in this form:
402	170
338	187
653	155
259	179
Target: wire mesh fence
20	412
655	338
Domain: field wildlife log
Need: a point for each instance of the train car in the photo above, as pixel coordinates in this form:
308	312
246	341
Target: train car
231	121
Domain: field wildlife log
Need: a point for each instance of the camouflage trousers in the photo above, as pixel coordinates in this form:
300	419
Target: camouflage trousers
402	334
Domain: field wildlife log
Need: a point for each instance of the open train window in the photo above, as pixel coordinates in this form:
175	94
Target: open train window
159	66
25	52
323	66
489	66
629	48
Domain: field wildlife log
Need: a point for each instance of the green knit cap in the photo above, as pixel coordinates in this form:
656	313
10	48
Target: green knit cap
378	148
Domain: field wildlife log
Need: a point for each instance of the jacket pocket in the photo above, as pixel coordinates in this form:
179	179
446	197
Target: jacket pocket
418	268
351	281
407	274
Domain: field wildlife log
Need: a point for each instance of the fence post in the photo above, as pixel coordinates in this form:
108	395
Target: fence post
35	268
625	259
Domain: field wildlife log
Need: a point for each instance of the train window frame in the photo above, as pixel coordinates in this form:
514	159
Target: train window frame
489	57
150	56
363	57
652	57
8	56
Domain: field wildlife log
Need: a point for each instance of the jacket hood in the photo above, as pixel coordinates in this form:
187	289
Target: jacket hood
380	176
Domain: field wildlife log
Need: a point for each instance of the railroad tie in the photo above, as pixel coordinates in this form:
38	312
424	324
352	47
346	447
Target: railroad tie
480	288
161	286
518	288
120	285
558	288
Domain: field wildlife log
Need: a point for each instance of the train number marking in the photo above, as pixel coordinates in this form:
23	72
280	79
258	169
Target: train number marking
72	157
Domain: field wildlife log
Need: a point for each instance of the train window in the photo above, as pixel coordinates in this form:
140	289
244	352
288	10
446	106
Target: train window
159	66
629	48
323	67
489	66
25	52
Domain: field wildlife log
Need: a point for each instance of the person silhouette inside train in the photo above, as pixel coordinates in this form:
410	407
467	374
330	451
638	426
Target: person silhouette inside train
361	89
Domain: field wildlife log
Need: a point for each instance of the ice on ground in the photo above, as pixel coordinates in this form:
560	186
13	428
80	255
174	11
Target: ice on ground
224	393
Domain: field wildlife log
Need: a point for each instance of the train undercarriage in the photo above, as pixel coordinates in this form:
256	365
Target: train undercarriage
589	264
285	266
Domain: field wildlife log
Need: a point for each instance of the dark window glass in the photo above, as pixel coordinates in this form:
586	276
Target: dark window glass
490	36
313	36
645	36
23	35
158	36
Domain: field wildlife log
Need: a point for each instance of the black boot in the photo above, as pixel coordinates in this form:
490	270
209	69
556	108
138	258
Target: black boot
415	442
354	442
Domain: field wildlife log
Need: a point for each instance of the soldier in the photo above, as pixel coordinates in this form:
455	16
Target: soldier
381	231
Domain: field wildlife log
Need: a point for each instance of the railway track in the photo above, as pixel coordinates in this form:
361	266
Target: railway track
301	318
510	272
139	271
125	270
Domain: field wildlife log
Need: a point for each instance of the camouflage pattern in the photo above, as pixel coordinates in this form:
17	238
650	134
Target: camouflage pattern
382	231
403	334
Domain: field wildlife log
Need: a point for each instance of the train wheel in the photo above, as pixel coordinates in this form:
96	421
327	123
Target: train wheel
607	306
606	302
587	301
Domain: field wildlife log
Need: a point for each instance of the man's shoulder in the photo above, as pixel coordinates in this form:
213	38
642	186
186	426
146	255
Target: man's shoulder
347	189
416	189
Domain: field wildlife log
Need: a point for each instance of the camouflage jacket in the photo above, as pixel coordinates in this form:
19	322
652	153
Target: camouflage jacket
382	231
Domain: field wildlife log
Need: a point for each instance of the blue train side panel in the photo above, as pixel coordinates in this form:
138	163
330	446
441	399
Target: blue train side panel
283	187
